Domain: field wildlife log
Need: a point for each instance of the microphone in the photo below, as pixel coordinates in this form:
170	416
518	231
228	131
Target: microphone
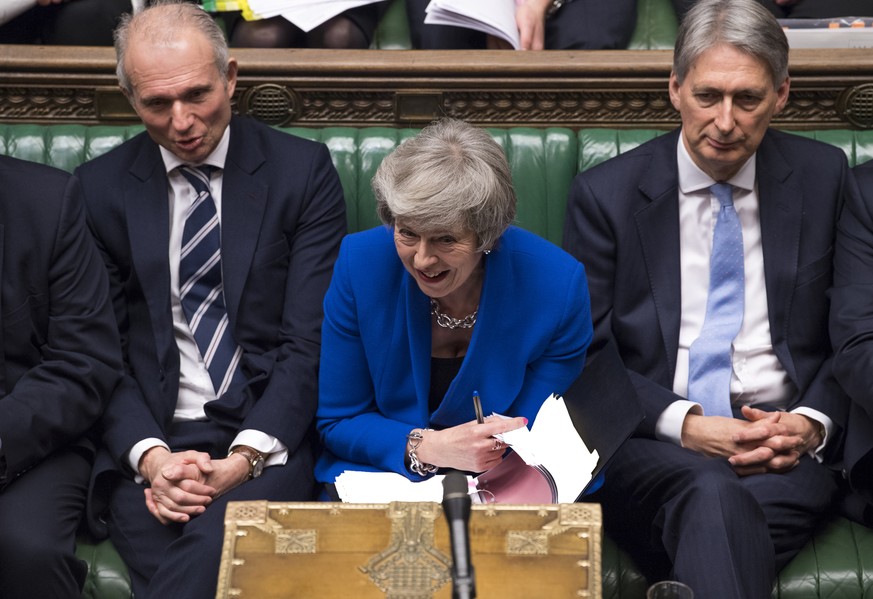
457	505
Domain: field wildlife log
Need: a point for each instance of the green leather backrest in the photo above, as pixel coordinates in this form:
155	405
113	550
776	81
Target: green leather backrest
656	26
543	161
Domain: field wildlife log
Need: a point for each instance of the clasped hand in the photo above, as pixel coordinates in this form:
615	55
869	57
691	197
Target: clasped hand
182	484
764	442
470	447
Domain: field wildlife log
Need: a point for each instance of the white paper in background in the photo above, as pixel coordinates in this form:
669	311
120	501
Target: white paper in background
9	9
494	17
305	14
830	38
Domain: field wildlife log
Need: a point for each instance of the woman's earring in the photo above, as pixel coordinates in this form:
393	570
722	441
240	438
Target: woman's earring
487	252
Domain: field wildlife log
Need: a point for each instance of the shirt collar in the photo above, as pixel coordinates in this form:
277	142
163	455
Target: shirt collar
692	179
217	158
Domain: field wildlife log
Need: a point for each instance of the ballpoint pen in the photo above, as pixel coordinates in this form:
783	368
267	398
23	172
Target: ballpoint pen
477	407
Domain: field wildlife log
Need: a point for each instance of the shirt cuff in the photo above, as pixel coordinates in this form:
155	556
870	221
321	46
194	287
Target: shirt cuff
274	451
826	422
136	452
669	425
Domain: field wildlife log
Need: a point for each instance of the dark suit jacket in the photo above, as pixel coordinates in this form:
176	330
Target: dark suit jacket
283	216
59	353
623	224
852	330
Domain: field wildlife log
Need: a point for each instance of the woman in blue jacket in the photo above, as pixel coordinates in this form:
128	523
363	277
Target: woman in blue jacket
445	300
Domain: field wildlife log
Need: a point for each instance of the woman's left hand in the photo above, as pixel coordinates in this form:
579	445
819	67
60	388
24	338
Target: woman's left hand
470	447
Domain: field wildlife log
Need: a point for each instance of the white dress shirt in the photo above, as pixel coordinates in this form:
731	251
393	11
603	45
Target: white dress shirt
195	384
758	378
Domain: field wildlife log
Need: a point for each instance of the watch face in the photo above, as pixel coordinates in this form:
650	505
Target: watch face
257	467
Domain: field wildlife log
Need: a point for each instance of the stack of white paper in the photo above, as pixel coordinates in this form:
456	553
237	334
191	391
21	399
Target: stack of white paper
305	14
830	38
9	9
494	17
384	487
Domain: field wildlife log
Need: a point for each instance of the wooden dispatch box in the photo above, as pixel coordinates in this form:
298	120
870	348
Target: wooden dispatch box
320	550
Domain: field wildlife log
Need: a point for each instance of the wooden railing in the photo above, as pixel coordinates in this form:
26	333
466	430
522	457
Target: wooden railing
627	88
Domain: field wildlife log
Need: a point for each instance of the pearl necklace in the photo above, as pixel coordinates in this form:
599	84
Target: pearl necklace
450	322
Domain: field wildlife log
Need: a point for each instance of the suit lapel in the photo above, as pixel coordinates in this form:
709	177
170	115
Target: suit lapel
658	229
780	201
243	202
2	336
148	225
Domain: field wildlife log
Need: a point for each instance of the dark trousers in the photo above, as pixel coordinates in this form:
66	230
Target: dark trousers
40	512
182	560
80	23
579	25
688	517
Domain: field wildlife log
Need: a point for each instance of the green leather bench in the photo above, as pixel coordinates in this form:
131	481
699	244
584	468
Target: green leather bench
838	563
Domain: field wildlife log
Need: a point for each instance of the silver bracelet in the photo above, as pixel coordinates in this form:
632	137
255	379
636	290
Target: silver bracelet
414	439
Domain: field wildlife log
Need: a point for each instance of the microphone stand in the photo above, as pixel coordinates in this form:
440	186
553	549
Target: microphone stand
457	506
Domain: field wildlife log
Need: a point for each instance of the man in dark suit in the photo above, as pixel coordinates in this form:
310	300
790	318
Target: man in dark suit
59	362
852	336
729	223
219	234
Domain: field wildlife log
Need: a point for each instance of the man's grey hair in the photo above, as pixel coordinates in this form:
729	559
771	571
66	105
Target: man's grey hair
743	24
165	22
450	177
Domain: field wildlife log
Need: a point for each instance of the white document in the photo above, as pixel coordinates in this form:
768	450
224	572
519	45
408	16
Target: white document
9	9
305	14
830	38
494	17
553	443
384	487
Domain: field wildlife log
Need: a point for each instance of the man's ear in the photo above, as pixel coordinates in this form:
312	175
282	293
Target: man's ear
674	91
782	94
232	70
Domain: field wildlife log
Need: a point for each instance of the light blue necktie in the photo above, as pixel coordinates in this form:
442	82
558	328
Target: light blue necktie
200	284
710	367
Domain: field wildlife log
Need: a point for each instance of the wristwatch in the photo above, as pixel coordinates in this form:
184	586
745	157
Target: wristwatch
255	458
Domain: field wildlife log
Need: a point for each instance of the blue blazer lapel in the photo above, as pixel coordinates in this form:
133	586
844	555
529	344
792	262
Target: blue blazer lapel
243	201
780	201
417	316
658	229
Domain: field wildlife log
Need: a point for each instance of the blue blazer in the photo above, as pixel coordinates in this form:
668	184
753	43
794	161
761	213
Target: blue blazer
533	329
623	223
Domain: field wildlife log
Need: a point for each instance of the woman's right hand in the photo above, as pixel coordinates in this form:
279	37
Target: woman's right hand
470	447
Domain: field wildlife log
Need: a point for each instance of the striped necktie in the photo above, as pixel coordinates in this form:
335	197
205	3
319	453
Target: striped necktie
710	366
200	284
